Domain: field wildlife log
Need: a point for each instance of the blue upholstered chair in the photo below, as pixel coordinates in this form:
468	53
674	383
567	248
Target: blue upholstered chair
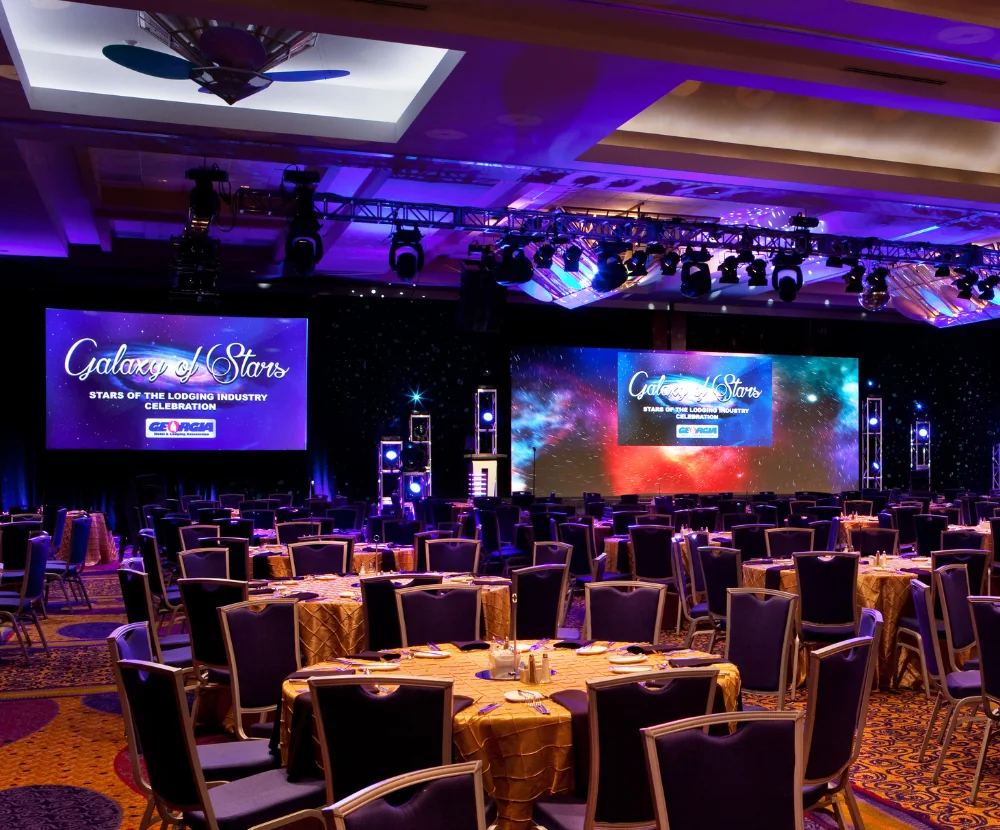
242	527
420	541
961	540
433	614
976	561
783	542
18	607
552	553
651	546
624	612
749	540
193	536
869	541
692	611
15	544
903	521
308	558
986	622
171	650
541	600
380	610
262	519
928	528
723	569
238	549
166	597
760	633
346	518
290	532
69	573
204	563
951	587
453	555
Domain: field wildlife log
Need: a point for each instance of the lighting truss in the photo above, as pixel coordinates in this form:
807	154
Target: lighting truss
871	447
637	229
920	449
996	467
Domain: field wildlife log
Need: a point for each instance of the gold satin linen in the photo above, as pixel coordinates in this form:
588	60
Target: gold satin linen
280	566
100	545
845	526
525	754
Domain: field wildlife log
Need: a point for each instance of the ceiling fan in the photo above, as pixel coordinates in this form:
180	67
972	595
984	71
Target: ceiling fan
230	61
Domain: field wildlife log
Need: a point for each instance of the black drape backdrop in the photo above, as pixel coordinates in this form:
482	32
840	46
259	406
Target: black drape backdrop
368	354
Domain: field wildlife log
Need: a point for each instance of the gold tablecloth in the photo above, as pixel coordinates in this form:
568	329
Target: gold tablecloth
982	531
525	754
100	545
334	626
887	591
405	557
845	527
613	546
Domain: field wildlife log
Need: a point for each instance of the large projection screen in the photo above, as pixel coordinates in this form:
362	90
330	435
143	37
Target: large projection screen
119	381
623	422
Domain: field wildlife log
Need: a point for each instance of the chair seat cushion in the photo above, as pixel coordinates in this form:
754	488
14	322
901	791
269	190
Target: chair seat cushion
173	595
813	793
12	576
910	624
261	730
699	609
178	658
971	665
258	799
964	684
565	813
233	760
827	633
57	566
175	641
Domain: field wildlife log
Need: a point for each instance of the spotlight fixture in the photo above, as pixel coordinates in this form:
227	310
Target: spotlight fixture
834	262
669	262
876	297
571	259
656	249
514	268
786	277
696	278
611	271
877	279
965	283
544	255
203	203
728	271
986	288
943	271
406	254
853	280
303	244
757	271
636	264
800	220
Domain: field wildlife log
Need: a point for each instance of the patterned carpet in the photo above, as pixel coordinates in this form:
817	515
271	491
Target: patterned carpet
63	755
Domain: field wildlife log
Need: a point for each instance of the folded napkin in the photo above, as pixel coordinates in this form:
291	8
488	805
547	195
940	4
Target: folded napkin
642	649
573	643
762	561
694	662
256	583
302	595
385	656
471	645
575	700
460	702
305	674
772	576
909	556
258	592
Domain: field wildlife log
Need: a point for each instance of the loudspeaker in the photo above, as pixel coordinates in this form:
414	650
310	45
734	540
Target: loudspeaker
480	303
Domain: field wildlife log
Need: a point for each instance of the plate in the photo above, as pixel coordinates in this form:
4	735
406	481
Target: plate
346	595
382	666
433	655
522	696
630	669
586	651
323	577
627	659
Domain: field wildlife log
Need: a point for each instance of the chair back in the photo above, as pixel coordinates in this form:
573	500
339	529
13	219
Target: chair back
723	569
840	682
242	528
135	596
821	532
762	761
439	798
192	535
60	527
261	639
730	520
33	585
401	532
800	505
902	518
345	518
151	563
760	628
205	563
618	708
202	600
651	551
951	585
552	553
984	511
238	556
543	526
961	540
798	520
381	613
871	540
784	542
79	540
262	519
231	501
436	614
621	520
705	518
420	541
308	558
290	532
697	539
976	561
207	515
284	515
767	514
414	719
541	593
871	622
861	507
827	588
986	622
928	528
923	604
750	541
624	612
14	544
453	555
193	506
581	538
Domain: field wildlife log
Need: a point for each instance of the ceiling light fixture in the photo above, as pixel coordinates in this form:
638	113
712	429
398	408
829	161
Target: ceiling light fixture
514	268
853	280
571	259
611	271
669	262
544	255
757	271
696	278
727	270
406	254
786	278
303	245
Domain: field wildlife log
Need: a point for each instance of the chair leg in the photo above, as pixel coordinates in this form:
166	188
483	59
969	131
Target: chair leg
83	590
147	816
677	630
853	808
930	726
838	814
949	734
41	634
17	633
795	668
62	584
977	779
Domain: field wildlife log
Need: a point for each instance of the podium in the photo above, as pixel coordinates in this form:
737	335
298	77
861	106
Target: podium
483	474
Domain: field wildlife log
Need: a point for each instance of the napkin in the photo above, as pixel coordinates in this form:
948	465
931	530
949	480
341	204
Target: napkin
385	656
761	561
772	576
470	645
909	556
302	595
460	702
573	643
694	662
305	674
641	649
575	700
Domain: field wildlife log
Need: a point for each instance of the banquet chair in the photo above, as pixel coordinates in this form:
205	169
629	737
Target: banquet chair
238	555
453	555
649	519
70	572
961	540
15	542
984	511
439	614
345	518
595	509
953	690
686	760
440	798
205	563
195	505
226	761
231	501
155	698
261	639
783	542
821	512
731	520
18	608
399	532
903	521
317	506
192	535
951	587
280	499
618	791
767	514
871	540
420	541
651	547
928	528
551	553
242	527
150	512
624	612
202	600
310	558
986	622
185	500
976	561
828	602
541	601
167	597
682	519
798	520
380	611
543	525
705	518
168	535
207	515
60	527
695	540
288	533
172	649
761	629
692	612
495	556
862	507
469	529
262	519
800	505
723	569
840	684
389	733
283	515
954	514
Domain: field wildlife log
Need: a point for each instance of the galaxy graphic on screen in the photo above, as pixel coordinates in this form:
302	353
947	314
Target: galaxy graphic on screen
564	406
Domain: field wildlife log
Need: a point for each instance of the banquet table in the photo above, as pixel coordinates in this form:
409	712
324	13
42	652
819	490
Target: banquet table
846	525
887	590
983	530
100	545
366	562
525	754
331	620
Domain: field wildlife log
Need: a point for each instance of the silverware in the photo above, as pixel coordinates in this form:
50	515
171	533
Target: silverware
489	708
540	708
433	647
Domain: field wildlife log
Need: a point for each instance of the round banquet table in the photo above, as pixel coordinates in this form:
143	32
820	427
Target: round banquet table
332	624
279	566
982	530
886	590
525	754
100	545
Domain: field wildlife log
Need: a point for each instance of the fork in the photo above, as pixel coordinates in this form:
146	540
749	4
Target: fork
540	708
